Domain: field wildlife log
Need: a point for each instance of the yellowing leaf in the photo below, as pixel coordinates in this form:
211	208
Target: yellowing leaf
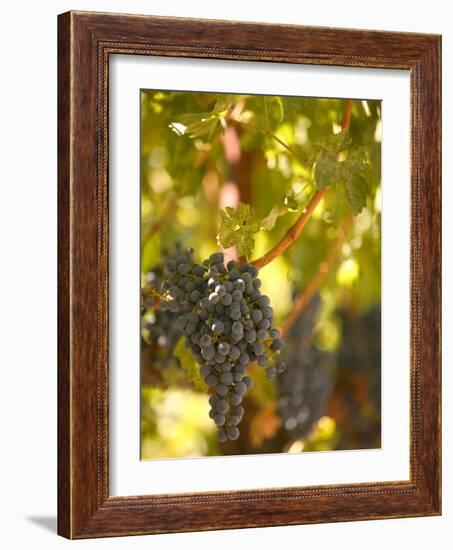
189	364
237	227
351	172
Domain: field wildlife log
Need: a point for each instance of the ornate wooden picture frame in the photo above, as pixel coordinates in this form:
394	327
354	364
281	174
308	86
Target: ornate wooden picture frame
85	42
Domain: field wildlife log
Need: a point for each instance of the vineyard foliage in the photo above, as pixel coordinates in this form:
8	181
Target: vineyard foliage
232	174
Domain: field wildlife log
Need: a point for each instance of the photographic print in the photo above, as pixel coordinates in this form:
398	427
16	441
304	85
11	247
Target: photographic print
224	275
261	274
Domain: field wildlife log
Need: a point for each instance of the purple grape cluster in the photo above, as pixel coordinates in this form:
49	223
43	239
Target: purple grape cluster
305	386
227	324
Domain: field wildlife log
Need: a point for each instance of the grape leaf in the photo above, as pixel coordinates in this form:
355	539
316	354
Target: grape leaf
351	172
327	166
202	124
354	174
189	364
197	125
237	227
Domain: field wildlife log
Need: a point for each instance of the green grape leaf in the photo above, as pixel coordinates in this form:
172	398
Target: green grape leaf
351	172
354	172
237	227
202	124
327	166
190	366
195	125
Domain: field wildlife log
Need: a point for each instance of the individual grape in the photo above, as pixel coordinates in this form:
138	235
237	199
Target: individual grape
240	388
181	322
190	328
235	352
224	348
211	380
238	411
222	406
227	378
244	359
245	310
219	419
271	371
256	315
220	290
233	432
236	295
214	298
258	349
234	420
239	285
235	313
235	399
277	345
264	324
237	328
250	336
222	390
198	271
204	370
171	266
195	295
217	326
216	258
267	313
227	300
208	352
280	365
205	340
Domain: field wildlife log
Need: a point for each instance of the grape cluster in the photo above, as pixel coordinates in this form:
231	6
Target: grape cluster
306	384
360	351
227	324
158	327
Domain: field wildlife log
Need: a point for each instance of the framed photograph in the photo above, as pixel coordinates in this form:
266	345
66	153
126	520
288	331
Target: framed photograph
249	275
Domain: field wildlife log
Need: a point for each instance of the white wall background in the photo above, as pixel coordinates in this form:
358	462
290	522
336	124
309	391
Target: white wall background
28	268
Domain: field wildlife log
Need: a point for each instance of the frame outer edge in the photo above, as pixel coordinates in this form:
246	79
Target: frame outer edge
64	526
82	477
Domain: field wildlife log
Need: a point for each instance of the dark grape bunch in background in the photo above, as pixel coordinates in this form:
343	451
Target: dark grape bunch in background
158	326
360	351
305	386
227	323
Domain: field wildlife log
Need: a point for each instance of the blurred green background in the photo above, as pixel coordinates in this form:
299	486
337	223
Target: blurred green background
201	152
